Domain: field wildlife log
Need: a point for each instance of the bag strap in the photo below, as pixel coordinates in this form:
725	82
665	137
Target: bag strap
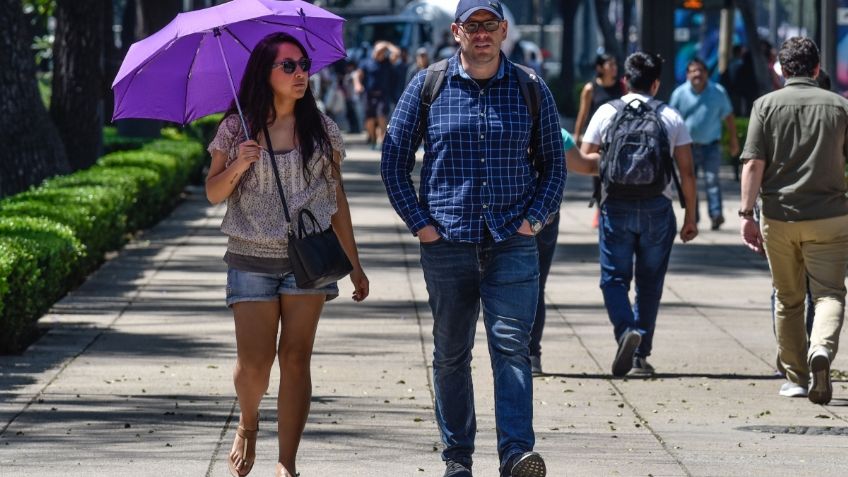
277	177
528	82
433	79
658	106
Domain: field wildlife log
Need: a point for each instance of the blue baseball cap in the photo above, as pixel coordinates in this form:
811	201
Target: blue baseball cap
466	8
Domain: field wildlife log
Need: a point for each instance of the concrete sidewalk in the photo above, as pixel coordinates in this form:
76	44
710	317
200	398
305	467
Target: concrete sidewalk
133	377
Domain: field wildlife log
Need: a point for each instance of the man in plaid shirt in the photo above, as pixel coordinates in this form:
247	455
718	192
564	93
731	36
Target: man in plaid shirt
481	203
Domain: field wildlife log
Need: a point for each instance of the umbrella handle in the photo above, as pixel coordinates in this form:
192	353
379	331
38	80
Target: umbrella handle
217	33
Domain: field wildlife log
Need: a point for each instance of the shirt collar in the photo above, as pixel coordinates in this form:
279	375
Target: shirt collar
801	80
455	67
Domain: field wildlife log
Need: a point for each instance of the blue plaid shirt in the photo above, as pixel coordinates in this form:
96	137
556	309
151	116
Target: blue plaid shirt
476	173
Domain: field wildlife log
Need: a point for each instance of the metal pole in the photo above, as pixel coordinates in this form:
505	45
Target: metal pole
217	33
725	36
827	42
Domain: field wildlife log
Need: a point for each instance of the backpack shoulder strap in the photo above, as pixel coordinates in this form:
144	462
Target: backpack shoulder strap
528	83
657	106
433	79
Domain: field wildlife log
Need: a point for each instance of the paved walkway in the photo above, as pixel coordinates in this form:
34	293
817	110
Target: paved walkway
133	376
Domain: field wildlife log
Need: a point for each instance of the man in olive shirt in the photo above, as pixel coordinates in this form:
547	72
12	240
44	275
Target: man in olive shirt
795	157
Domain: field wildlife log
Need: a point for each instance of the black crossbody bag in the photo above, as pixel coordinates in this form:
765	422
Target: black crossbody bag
316	256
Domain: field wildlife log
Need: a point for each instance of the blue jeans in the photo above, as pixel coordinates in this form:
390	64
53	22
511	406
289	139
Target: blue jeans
707	158
504	277
546	242
643	229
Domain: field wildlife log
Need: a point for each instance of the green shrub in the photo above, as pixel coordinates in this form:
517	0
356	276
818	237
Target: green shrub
52	235
112	141
204	129
96	214
37	256
741	134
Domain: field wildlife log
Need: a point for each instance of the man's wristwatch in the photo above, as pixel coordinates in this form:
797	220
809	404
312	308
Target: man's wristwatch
746	214
535	225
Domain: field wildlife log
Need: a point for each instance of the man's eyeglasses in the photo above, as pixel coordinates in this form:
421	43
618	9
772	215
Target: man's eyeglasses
288	65
488	25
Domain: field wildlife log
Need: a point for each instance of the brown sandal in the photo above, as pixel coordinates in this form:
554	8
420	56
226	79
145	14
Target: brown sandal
247	436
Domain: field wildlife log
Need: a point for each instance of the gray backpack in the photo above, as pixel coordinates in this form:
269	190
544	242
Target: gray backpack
636	160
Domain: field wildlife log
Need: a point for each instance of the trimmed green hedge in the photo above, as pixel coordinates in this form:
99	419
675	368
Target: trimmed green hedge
53	235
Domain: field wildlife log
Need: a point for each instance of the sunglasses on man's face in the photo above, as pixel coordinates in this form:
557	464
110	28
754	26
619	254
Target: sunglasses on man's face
488	25
288	66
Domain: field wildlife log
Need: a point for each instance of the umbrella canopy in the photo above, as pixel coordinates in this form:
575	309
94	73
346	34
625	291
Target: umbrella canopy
180	73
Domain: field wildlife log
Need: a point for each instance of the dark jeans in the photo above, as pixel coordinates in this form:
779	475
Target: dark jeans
504	278
546	242
707	158
643	229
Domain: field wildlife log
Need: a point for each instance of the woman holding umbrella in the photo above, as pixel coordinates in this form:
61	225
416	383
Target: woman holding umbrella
280	112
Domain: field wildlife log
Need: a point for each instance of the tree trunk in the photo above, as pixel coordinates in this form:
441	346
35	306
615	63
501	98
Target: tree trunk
32	150
611	44
78	76
111	60
152	15
568	11
762	76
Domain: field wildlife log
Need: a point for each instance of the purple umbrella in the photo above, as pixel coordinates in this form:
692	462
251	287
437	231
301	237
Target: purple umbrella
189	69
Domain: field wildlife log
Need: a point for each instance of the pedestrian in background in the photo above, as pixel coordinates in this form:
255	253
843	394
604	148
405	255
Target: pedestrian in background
376	80
637	218
705	105
794	157
422	61
481	204
604	88
546	241
279	109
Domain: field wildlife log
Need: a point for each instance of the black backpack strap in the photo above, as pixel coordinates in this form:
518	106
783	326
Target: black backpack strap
658	106
433	79
528	83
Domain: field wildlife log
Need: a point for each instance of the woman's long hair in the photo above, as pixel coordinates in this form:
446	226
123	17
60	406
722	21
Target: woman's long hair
256	98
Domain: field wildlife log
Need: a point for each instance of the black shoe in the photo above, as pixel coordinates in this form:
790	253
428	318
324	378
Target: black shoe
641	367
536	365
528	464
455	469
716	222
627	344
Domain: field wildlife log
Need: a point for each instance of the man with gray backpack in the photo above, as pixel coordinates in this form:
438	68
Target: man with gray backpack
640	140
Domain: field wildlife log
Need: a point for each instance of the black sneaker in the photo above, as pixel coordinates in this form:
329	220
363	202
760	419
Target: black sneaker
716	222
627	344
528	464
536	365
455	469
641	367
820	388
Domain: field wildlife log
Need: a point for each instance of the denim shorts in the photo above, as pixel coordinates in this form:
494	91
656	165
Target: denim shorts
253	286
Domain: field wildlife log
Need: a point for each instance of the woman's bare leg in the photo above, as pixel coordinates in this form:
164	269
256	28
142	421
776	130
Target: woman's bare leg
300	315
256	326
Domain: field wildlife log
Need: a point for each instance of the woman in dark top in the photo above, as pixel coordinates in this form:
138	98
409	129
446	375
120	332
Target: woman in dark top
605	87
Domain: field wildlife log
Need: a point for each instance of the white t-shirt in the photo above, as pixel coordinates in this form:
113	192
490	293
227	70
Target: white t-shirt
678	135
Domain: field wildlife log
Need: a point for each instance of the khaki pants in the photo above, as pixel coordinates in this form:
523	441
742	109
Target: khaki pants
817	249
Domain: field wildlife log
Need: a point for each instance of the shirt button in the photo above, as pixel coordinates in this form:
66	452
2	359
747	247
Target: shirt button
482	136
485	206
484	182
482	160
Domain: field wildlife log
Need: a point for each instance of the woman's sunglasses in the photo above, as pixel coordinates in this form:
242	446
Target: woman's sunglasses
489	25
288	66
